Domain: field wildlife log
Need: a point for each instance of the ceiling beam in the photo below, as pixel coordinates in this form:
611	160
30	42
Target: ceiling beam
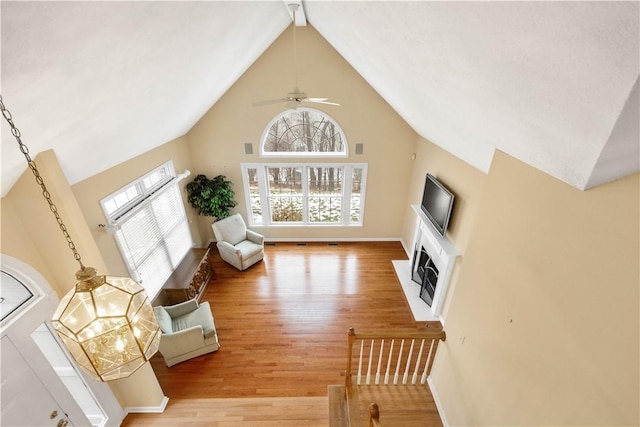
301	17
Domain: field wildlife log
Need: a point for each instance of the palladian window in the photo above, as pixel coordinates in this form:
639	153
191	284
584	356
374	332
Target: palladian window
308	191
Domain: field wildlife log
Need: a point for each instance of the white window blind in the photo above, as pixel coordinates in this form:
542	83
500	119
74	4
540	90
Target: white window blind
153	235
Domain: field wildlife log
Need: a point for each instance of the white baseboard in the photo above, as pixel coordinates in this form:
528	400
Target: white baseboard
148	409
337	239
406	249
443	416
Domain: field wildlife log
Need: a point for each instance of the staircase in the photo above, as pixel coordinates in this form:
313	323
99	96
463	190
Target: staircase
386	380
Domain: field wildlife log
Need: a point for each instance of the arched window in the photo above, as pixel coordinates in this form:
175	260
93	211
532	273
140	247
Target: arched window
303	132
309	192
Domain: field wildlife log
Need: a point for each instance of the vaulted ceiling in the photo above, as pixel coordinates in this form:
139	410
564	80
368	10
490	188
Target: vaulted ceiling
554	84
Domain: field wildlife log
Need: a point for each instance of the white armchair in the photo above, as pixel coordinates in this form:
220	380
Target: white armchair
188	331
238	245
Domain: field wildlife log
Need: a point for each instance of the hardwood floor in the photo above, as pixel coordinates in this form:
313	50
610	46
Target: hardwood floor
283	325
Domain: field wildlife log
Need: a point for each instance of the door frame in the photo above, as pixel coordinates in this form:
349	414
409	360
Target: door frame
25	320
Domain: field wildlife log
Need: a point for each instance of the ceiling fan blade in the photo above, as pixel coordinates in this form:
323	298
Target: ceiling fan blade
316	101
269	102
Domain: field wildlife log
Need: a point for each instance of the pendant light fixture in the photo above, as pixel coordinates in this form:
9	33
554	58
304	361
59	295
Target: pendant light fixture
107	323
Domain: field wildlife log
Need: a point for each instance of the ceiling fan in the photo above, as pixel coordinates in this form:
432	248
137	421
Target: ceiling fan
296	97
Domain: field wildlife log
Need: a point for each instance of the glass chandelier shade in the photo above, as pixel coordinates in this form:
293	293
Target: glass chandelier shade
108	325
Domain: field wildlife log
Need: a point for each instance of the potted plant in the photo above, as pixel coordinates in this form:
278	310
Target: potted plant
211	197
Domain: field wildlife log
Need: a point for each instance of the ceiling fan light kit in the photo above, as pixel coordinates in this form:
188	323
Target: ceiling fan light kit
296	97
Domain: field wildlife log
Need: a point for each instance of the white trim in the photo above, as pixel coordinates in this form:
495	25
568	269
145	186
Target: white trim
328	239
148	409
406	250
125	214
116	215
438	403
33	280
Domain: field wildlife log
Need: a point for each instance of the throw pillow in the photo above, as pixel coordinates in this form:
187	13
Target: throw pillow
164	320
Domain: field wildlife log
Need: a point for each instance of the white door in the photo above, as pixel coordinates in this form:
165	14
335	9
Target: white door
25	400
26	325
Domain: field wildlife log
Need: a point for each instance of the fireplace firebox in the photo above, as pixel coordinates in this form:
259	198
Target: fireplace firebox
425	273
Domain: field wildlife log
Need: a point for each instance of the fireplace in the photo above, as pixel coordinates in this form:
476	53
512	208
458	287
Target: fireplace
425	278
425	273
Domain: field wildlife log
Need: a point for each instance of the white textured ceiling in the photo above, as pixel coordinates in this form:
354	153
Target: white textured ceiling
554	84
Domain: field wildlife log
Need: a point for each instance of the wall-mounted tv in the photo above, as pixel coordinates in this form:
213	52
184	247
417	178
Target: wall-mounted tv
437	203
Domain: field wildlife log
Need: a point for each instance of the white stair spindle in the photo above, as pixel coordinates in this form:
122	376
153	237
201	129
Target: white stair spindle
415	372
360	362
379	362
395	376
369	365
406	369
386	374
423	380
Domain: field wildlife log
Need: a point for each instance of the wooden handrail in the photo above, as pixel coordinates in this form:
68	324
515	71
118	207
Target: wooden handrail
437	334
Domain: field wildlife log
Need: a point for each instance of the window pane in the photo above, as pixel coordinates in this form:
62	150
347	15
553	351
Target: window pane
325	194
285	181
122	198
110	206
285	194
286	209
254	195
356	189
157	176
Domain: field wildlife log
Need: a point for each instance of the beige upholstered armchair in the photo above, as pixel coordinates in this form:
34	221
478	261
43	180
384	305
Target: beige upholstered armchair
187	331
238	245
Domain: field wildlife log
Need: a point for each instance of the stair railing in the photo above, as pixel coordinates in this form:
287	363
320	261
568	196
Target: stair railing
393	357
397	357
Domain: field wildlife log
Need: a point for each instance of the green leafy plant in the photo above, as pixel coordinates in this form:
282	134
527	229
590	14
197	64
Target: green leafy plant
211	197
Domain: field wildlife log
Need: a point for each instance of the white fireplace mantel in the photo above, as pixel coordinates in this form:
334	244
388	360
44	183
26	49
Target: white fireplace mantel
443	254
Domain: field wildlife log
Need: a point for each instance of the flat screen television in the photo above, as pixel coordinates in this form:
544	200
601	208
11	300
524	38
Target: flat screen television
437	203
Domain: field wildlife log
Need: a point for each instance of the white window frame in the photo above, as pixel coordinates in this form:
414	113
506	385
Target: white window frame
262	177
146	195
303	154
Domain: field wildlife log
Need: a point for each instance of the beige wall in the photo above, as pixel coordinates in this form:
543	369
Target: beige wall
543	326
17	242
42	245
217	141
90	191
30	233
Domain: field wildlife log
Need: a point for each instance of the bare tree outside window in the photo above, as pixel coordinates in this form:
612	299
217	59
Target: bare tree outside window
304	131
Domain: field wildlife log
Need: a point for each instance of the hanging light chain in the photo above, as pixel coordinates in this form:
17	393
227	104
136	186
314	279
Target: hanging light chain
32	165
